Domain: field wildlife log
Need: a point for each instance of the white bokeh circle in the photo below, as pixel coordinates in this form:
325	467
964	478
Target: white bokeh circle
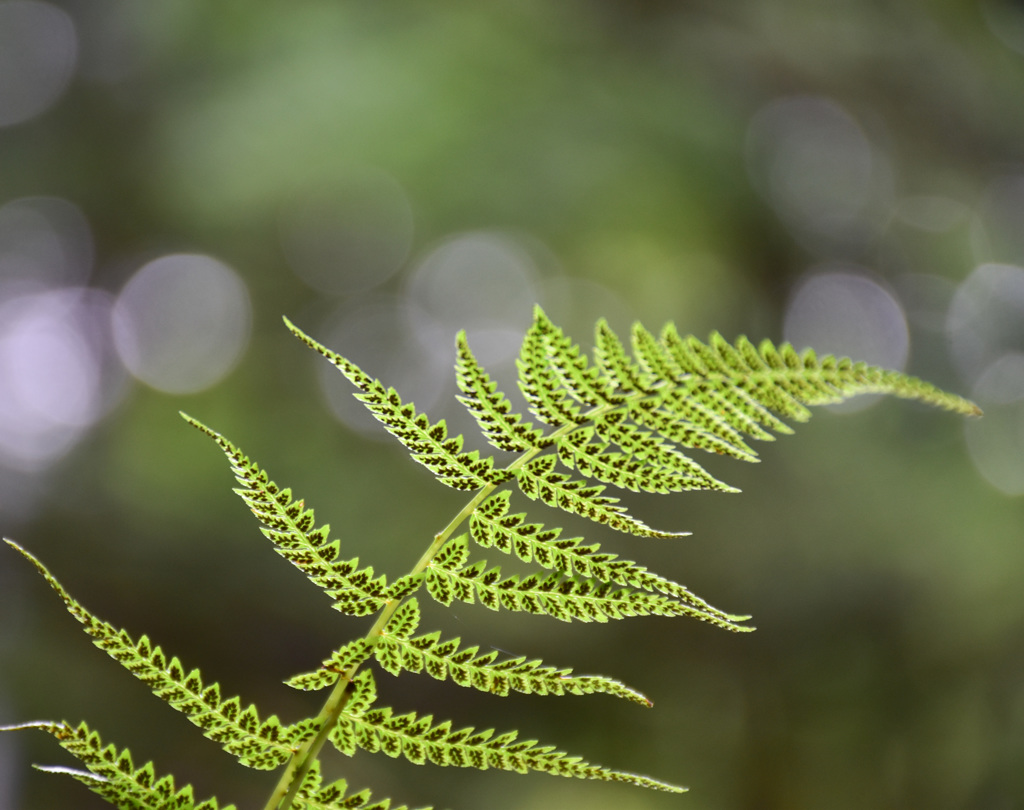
848	315
996	442
182	322
58	375
38	53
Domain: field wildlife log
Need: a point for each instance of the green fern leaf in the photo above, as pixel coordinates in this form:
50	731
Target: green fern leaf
404	586
541	385
580	380
420	740
335	796
490	407
653	358
491	526
786	381
689	424
626	471
341	661
621	420
258	744
564	598
733	404
112	775
292	529
397	650
646	445
429	443
538	481
615	363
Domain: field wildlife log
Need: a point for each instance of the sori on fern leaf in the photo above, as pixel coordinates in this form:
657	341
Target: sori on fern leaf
625	419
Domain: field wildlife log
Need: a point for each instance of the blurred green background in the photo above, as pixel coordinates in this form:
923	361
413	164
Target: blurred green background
176	176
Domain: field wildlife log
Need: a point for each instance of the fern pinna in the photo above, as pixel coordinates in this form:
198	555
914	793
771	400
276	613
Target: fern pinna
626	419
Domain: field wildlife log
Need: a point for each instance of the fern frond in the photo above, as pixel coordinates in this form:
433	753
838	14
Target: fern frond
647	446
538	480
260	744
689	424
428	442
542	387
292	529
564	598
491	408
335	796
733	404
420	740
351	655
580	380
627	471
491	526
785	381
112	775
397	650
615	363
679	393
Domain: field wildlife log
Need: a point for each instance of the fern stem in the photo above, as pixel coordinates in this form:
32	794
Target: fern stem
298	766
291	780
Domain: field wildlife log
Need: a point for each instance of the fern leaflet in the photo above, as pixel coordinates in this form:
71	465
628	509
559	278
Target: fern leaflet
313	795
491	525
490	407
398	650
429	443
112	775
539	480
257	744
291	528
420	740
565	598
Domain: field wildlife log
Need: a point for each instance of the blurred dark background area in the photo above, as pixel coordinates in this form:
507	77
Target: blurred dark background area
175	177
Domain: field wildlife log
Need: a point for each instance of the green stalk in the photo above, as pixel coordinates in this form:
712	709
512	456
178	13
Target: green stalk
298	766
302	760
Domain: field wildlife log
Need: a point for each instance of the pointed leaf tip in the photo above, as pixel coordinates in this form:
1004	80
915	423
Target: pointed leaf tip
24	552
292	327
199	425
192	420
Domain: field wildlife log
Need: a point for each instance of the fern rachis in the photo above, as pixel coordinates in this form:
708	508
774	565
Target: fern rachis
625	420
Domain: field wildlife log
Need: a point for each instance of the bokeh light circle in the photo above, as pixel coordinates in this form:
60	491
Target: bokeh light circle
38	52
814	164
986	318
483	282
848	315
45	242
57	373
996	442
998	232
182	322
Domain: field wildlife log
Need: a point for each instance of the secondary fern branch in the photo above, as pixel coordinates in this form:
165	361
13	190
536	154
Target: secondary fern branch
420	740
493	526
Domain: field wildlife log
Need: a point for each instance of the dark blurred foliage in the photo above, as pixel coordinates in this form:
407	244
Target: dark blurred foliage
359	167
